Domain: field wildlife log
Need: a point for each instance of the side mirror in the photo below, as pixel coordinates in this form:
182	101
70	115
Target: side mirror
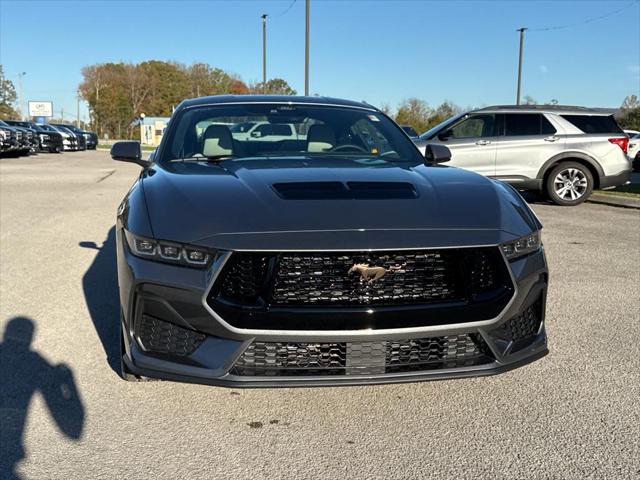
128	152
444	136
256	134
436	153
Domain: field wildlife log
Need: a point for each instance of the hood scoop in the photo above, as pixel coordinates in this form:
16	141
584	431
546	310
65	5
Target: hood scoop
345	191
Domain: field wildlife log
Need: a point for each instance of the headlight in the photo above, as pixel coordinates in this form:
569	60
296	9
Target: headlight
522	246
168	252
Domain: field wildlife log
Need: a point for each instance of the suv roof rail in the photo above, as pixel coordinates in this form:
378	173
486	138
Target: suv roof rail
552	108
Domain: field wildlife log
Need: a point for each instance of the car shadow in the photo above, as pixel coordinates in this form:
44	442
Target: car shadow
537	198
23	373
100	285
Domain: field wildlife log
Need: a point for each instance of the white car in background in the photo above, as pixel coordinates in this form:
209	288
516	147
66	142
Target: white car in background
634	143
260	130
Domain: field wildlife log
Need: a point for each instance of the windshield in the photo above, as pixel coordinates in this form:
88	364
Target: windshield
433	130
285	130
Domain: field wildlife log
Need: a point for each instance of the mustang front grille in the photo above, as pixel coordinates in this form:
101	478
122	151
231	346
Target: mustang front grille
361	290
347	279
367	278
361	358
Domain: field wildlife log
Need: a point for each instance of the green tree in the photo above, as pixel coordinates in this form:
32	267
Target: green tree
7	97
414	112
445	110
168	85
629	116
275	86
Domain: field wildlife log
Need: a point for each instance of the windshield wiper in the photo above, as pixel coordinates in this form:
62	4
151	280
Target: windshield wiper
211	158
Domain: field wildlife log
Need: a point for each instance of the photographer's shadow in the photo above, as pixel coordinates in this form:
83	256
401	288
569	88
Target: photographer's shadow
23	373
100	285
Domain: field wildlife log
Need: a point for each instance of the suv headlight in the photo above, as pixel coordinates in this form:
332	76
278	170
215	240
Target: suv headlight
168	252
522	246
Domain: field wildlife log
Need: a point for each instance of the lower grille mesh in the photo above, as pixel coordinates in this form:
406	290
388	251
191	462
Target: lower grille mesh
163	337
523	326
361	358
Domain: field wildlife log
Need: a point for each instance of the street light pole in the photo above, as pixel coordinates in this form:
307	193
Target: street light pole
264	52
306	50
21	94
521	30
78	108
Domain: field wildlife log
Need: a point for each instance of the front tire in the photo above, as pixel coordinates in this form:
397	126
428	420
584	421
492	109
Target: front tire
569	184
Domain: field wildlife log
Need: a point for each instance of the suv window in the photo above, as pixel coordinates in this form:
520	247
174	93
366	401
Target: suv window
521	124
594	123
474	126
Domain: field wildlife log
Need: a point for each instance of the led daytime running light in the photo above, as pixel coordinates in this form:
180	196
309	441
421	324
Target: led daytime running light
169	252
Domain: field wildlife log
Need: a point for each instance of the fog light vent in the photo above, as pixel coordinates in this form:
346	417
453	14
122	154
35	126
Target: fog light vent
163	337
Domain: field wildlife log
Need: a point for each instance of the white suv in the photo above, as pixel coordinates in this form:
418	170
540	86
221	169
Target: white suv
565	152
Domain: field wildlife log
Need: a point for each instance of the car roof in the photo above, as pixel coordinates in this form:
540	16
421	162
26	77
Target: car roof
560	109
221	99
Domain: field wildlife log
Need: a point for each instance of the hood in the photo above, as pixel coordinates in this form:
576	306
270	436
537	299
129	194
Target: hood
320	203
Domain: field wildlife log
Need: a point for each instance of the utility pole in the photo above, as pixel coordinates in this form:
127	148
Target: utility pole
306	49
78	108
62	114
521	30
21	95
264	52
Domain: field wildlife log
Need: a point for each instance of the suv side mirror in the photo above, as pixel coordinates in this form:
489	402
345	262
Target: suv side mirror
436	153
444	136
128	152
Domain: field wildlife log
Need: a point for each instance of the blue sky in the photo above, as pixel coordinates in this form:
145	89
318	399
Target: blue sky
378	51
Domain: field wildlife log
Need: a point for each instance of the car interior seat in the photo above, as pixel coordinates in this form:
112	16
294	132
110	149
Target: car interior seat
320	138
216	141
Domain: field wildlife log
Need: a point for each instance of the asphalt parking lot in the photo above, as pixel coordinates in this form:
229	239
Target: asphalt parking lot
574	414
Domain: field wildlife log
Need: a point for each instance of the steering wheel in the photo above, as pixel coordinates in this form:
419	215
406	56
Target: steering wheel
349	146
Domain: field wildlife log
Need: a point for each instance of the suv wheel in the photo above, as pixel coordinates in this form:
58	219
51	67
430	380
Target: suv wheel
569	183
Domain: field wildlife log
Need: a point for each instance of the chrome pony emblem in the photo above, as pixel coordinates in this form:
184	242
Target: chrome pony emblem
372	274
368	274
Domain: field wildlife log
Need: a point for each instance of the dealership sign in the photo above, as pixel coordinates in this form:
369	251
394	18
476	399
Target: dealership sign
40	109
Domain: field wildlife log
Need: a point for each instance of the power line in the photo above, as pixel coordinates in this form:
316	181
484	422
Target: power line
584	22
285	10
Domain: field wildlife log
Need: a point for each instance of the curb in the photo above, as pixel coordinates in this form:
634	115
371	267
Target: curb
614	201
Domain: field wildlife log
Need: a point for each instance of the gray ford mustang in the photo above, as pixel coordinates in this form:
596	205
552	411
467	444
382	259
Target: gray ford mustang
274	241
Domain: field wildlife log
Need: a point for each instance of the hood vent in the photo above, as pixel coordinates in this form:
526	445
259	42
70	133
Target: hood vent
345	191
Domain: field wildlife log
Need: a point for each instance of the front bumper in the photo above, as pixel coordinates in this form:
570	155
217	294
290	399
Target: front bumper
146	290
51	144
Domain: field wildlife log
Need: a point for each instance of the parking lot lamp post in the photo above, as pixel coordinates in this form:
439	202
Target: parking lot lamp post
264	52
306	48
521	30
78	108
21	95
